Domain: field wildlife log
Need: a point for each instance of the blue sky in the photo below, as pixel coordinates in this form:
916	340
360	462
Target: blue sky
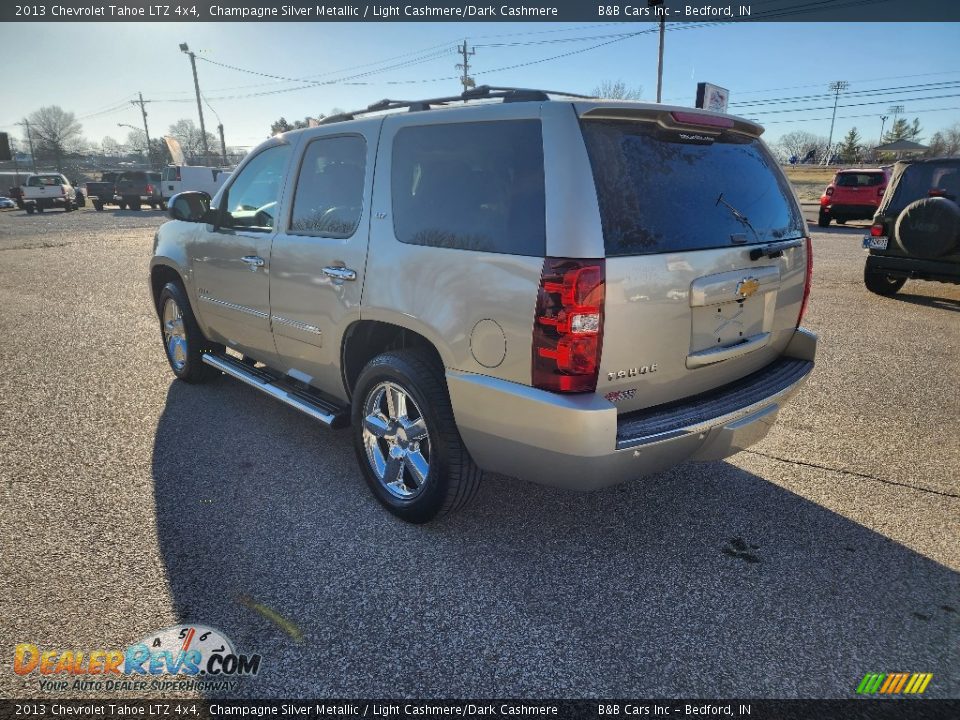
757	62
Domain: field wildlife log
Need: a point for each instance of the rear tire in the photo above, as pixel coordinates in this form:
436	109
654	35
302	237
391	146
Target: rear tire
122	205
183	341
406	439
841	221
882	283
823	219
30	209
98	206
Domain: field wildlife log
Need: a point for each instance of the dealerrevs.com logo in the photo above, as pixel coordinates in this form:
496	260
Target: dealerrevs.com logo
182	657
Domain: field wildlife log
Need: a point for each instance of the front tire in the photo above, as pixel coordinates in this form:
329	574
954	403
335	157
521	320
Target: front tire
183	341
406	438
881	283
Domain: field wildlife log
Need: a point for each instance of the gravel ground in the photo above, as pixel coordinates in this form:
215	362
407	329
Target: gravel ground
131	503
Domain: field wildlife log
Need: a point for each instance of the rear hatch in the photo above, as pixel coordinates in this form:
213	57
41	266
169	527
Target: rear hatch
864	188
706	252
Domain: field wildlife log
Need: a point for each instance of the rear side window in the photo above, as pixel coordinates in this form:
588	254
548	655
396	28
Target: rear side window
660	193
859	179
329	196
470	186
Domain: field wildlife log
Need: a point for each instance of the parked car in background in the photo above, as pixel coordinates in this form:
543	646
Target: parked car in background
564	291
103	192
6	203
916	230
16	194
48	190
853	195
178	178
136	188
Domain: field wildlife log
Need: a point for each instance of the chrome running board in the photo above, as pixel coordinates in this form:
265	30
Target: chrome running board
306	401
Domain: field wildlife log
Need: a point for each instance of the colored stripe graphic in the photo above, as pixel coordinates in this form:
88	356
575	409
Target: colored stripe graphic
894	683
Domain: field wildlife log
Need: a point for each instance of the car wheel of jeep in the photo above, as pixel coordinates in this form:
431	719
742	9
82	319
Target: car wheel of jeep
929	228
823	220
183	341
881	283
406	438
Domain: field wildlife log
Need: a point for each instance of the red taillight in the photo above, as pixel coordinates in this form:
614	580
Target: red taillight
689	118
876	230
149	189
807	281
568	325
936	192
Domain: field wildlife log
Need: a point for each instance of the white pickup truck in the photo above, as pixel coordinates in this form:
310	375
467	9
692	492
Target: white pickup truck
47	190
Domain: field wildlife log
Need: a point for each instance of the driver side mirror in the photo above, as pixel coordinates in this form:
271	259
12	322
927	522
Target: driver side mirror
190	206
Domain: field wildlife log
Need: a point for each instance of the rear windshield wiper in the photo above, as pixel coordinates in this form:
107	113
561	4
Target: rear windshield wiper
741	218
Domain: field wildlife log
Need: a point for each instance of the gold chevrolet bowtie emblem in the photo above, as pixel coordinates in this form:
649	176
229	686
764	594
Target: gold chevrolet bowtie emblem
747	287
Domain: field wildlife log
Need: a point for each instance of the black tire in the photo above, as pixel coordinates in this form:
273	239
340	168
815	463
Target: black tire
122	205
929	228
134	203
163	205
841	221
187	363
153	206
30	209
98	206
823	219
39	208
452	478
68	206
882	283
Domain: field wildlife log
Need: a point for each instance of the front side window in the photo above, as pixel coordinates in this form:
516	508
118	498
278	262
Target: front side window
252	200
329	197
470	186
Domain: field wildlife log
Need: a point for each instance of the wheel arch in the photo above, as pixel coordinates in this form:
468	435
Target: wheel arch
363	340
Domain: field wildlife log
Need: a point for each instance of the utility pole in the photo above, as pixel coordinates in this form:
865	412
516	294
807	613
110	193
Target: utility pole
146	131
33	157
657	4
196	85
883	121
223	145
465	79
836	87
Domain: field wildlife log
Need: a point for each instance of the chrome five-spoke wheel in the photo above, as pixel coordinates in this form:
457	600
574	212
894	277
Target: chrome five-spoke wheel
174	334
396	440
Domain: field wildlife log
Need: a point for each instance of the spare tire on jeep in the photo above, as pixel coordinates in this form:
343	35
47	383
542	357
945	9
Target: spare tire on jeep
929	228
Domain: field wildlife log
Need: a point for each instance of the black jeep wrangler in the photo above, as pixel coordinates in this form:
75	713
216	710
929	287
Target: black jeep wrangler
916	230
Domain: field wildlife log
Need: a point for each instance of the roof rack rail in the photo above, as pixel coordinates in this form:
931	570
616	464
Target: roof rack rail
482	92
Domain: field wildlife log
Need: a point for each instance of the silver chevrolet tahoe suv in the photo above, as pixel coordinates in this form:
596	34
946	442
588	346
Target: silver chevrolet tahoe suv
573	291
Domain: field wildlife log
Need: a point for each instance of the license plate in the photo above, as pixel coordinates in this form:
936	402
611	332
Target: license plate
875	243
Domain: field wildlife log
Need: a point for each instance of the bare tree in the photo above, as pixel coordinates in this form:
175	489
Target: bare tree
190	138
55	133
617	90
802	146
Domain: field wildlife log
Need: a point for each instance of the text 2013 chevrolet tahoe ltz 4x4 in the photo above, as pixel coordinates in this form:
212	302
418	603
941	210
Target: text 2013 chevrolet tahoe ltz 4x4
574	291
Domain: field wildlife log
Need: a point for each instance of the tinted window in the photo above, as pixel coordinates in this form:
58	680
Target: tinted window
660	193
329	196
251	201
470	186
133	177
859	179
918	180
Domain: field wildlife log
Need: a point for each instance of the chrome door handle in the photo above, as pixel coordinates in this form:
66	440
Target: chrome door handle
254	261
340	273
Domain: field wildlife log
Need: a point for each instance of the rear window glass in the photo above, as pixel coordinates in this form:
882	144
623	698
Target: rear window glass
918	180
41	180
858	179
470	186
132	177
658	193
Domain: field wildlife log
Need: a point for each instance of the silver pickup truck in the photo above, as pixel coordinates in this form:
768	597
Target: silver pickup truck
574	291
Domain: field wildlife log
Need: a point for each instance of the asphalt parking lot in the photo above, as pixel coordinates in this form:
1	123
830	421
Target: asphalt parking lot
131	502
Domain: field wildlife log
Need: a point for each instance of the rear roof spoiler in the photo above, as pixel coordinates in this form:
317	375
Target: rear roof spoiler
672	117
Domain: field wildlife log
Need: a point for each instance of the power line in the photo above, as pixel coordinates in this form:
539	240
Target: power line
865	93
853	117
830	107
